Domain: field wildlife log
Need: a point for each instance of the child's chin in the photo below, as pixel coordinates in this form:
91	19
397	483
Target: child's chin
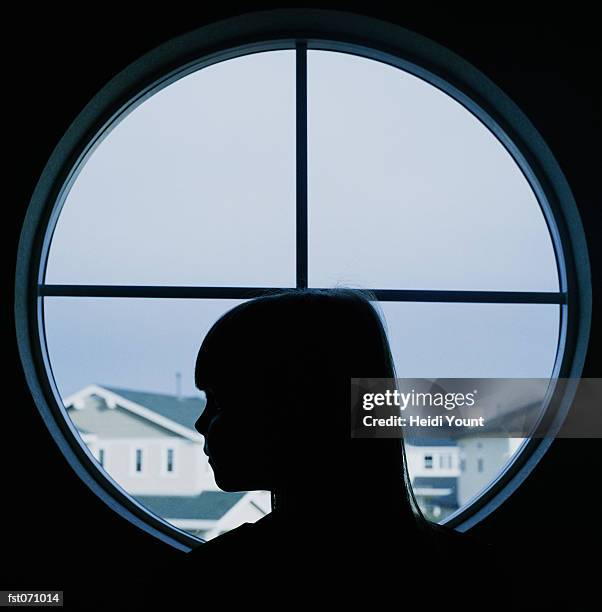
229	485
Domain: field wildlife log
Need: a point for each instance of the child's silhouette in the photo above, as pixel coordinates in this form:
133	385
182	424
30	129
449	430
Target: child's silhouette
276	372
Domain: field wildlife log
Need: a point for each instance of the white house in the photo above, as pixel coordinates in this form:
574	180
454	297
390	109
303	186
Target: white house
147	444
482	460
486	451
511	408
434	467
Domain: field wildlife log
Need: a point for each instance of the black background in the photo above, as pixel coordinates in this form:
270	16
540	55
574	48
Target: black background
55	532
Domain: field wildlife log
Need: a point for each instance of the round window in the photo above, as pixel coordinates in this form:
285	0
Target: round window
287	163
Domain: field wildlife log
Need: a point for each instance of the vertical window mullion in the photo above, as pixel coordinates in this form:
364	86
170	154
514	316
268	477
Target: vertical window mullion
301	170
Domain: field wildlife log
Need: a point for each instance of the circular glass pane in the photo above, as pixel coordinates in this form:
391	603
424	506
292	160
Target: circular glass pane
197	187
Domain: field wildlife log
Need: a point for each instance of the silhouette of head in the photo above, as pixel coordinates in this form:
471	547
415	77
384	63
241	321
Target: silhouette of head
276	372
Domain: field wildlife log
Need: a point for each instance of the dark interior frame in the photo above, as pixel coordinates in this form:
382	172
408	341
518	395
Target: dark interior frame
298	29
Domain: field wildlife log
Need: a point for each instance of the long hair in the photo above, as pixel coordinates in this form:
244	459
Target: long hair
305	345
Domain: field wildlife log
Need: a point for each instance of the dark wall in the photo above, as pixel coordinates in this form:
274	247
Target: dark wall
55	532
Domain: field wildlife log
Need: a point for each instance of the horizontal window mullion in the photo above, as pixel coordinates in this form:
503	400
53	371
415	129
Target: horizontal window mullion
480	297
152	291
385	295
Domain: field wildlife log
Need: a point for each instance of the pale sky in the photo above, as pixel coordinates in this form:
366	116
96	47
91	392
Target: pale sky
196	186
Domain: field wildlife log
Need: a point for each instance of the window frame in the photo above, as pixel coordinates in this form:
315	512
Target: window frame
137	462
168	450
299	29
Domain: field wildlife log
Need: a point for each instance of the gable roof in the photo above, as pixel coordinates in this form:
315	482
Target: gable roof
168	412
208	505
184	411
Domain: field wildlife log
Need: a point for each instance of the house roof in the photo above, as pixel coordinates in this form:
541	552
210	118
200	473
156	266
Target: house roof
153	412
184	411
517	422
209	505
428	441
446	485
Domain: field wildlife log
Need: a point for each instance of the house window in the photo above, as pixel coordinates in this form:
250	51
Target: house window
480	464
138	464
169	460
462	465
445	461
101	457
293	139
